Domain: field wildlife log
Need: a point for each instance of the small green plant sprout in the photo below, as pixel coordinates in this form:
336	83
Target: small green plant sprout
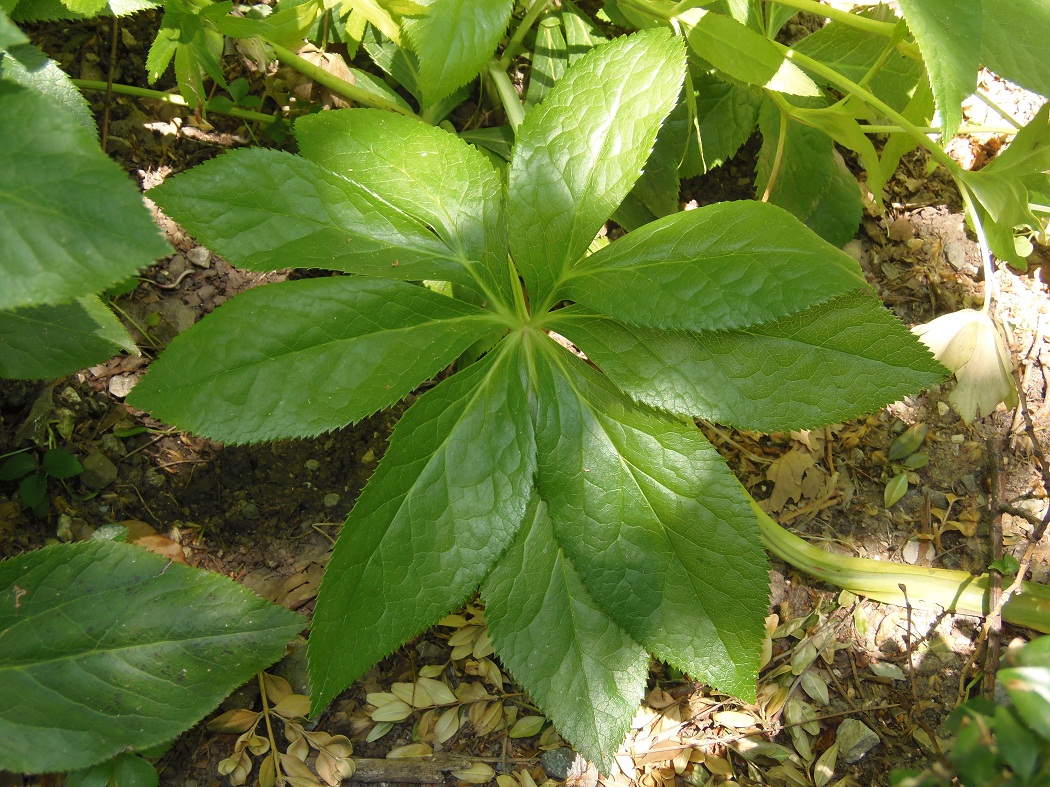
905	458
578	495
57	463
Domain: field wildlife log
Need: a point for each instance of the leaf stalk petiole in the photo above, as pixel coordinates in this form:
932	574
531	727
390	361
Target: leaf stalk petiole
173	98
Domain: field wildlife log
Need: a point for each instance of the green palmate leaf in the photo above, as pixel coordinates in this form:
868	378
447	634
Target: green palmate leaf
835	361
106	648
854	53
453	40
727	265
580	33
49	10
300	358
669	548
550	58
659	184
800	170
579	153
581	667
61	238
194	42
124	770
29	67
443	505
425	172
1014	42
725	118
43	342
948	33
263	209
742	54
1002	187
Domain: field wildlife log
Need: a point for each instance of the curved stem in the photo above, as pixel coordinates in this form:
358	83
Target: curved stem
885	29
514	45
963	130
837	79
507	95
335	84
173	98
937	588
986	252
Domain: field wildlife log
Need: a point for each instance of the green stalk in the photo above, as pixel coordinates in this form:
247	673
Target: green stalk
904	585
868	97
173	98
885	29
514	45
875	129
334	83
507	95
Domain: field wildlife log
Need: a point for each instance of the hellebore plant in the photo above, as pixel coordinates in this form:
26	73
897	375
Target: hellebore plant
559	468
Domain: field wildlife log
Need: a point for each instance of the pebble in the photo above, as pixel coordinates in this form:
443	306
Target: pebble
250	511
199	256
556	762
112	445
855	739
99	472
312	464
331	500
120	385
155	478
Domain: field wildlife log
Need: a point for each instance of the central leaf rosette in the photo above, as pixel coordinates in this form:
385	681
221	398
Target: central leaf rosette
577	494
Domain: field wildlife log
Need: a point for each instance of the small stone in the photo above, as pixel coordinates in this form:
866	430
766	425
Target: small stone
312	464
250	511
68	396
855	739
557	762
199	256
369	457
331	500
112	445
155	478
99	472
120	385
177	265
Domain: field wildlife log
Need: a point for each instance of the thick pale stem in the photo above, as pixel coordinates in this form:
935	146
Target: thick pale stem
173	98
335	84
986	251
514	45
929	588
507	95
885	29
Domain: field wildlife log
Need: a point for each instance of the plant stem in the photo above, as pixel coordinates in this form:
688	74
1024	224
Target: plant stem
507	95
850	86
173	98
928	588
514	45
982	242
334	83
978	129
874	26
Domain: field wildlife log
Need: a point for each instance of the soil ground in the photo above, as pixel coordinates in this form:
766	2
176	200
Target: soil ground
267	515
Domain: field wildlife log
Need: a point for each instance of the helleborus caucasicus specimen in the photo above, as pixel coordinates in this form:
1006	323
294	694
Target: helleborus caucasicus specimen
971	345
578	495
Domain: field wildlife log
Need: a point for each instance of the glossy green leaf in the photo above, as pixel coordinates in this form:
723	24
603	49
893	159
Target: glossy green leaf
61	238
10	35
29	67
443	505
743	54
1029	688
195	44
726	115
299	358
895	489
659	184
809	178
51	10
425	172
1013	43
583	670
124	770
454	39
727	265
1002	187
264	209
948	33
59	463
854	53
550	58
833	362
44	342
581	36
107	648
669	549
579	153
